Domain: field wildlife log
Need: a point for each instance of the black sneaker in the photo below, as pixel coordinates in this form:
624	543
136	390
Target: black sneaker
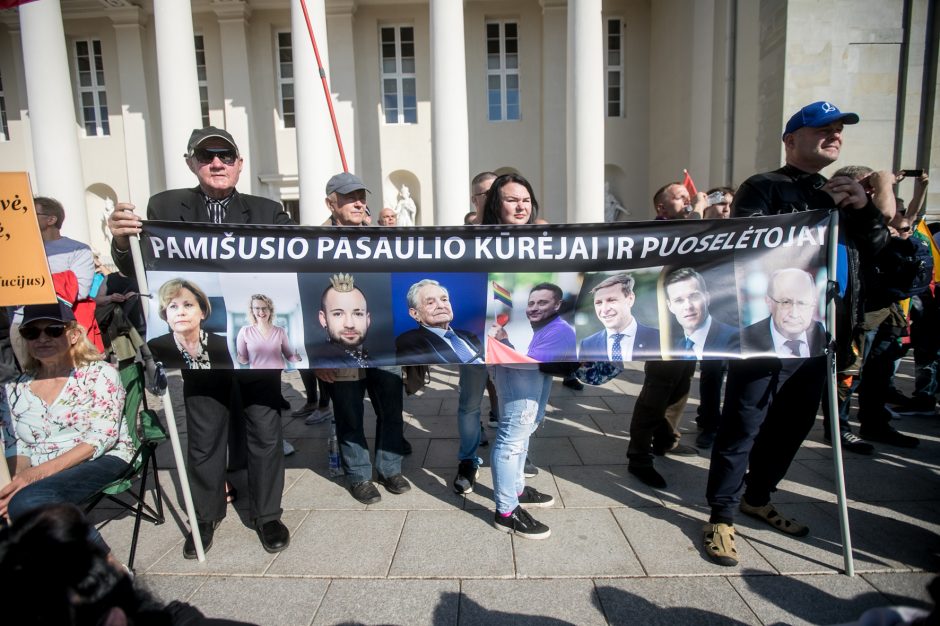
529	470
888	435
531	497
919	405
484	440
365	492
522	524
493	420
467	474
852	443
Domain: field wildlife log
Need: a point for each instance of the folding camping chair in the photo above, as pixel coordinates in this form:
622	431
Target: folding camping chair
146	433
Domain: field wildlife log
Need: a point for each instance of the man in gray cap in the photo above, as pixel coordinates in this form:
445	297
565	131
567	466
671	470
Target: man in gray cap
346	201
213	157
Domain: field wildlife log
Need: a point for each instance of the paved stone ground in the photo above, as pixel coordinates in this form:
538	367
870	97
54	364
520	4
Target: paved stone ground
620	552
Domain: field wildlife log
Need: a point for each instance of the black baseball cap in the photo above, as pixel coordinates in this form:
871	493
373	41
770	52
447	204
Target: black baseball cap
57	312
202	134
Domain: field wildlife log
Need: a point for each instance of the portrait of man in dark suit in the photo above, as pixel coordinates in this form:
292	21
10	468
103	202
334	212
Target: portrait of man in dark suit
791	331
623	337
344	315
434	340
702	336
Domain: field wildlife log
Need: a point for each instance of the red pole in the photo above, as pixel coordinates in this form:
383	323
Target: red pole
326	86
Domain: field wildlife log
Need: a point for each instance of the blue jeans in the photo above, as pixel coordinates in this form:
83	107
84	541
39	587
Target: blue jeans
74	485
523	394
472	385
385	390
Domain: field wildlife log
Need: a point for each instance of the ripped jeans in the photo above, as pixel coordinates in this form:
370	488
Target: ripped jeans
523	394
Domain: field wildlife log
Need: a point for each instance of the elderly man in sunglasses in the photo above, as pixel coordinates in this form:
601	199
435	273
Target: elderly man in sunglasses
212	155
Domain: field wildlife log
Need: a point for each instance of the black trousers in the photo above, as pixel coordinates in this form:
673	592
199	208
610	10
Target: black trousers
210	398
709	386
770	407
666	383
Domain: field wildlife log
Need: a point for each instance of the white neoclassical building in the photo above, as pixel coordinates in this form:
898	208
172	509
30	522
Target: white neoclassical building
98	97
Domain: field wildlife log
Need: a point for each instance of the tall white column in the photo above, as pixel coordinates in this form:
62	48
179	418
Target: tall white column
236	84
586	112
317	155
52	113
135	108
554	161
178	84
450	135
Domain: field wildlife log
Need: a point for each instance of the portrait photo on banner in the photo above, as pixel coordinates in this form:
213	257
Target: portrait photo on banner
698	311
348	322
617	316
782	301
188	325
267	320
439	317
530	317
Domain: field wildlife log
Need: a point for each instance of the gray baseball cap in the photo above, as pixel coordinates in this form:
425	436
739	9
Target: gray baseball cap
202	134
345	182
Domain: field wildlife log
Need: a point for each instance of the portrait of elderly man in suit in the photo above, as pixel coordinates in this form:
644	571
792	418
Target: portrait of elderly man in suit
623	337
434	340
791	330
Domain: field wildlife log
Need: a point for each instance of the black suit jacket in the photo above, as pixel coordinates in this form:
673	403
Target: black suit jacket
419	346
327	354
757	338
164	349
721	337
645	346
189	205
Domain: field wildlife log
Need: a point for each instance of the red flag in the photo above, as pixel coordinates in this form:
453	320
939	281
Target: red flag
688	184
9	4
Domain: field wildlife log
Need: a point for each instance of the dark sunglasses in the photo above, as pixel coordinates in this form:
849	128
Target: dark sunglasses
205	157
31	333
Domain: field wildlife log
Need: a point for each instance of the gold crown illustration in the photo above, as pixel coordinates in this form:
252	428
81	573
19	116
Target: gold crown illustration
343	283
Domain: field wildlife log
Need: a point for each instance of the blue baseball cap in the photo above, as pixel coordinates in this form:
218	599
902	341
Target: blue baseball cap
816	115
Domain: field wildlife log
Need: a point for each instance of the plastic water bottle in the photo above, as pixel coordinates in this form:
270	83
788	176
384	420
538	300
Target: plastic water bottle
333	451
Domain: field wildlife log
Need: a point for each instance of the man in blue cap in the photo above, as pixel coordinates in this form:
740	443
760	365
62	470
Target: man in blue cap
771	403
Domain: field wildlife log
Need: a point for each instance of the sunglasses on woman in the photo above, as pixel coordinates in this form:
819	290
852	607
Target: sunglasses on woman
31	333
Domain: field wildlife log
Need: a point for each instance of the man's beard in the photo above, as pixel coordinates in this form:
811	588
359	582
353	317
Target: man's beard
341	342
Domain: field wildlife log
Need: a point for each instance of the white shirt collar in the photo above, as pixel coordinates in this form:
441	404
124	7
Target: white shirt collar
780	343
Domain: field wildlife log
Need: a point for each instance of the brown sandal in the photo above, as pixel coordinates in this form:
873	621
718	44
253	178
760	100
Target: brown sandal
773	517
719	544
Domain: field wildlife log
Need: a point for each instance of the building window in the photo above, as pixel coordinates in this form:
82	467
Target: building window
201	77
614	73
285	78
91	90
4	129
502	71
399	99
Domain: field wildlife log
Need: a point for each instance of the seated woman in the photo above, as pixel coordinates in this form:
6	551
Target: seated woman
184	306
261	344
63	417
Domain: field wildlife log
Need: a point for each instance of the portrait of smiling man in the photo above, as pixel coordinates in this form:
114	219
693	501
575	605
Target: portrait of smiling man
623	337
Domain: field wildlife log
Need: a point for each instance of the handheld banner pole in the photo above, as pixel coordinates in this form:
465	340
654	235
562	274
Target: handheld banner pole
170	415
831	382
326	86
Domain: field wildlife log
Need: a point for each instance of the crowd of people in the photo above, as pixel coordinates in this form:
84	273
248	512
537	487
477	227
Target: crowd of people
61	405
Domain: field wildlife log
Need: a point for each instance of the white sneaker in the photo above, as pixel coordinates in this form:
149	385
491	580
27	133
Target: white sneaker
319	416
288	448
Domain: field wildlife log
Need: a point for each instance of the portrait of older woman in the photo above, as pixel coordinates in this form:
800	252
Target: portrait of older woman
261	344
63	417
184	307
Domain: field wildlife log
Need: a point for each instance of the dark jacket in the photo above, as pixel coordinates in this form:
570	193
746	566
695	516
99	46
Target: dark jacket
420	346
790	190
757	338
189	205
721	338
645	346
164	350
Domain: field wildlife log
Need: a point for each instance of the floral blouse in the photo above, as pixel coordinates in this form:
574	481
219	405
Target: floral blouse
89	409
